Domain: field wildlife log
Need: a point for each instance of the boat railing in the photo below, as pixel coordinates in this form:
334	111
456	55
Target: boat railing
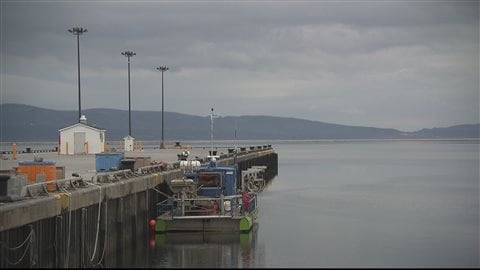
164	207
228	206
252	204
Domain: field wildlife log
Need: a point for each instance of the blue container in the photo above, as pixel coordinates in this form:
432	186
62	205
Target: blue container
105	162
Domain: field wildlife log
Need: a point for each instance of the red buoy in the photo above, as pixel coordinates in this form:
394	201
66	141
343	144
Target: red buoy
152	223
152	243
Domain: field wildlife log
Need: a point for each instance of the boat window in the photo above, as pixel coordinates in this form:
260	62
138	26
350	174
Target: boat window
209	179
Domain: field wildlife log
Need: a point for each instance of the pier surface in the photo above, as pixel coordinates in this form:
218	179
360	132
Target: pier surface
85	164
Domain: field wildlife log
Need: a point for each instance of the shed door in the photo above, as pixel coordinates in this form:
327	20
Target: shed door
79	142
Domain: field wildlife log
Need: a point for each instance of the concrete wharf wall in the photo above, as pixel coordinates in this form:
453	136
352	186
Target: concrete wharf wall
90	226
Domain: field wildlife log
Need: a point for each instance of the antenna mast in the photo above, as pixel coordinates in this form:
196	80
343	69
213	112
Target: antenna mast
211	133
212	115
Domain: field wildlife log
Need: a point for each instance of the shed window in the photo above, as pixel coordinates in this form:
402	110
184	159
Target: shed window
101	137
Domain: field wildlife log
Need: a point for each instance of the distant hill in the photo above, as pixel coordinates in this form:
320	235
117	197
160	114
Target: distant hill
29	123
458	131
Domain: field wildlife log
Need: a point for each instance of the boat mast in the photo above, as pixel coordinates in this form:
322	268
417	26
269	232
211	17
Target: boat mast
235	146
212	115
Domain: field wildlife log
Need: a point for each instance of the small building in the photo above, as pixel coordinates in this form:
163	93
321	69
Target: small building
129	143
81	138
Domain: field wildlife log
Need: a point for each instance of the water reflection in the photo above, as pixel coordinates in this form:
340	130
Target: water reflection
402	204
204	249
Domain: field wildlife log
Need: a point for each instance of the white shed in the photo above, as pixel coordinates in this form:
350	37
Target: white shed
81	138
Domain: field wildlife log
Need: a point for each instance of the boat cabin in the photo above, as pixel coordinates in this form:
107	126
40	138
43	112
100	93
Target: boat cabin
213	181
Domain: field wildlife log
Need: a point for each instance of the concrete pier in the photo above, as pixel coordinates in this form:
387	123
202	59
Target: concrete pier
87	225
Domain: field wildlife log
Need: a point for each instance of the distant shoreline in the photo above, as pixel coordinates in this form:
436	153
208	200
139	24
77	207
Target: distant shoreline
51	146
261	140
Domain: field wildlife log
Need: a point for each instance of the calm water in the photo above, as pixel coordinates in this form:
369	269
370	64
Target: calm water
351	204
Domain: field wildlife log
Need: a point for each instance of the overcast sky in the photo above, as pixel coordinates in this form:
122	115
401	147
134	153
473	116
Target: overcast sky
393	64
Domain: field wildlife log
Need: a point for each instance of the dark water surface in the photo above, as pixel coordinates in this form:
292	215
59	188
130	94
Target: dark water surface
350	204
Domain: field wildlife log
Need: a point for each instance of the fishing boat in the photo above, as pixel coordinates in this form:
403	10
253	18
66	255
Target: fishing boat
210	199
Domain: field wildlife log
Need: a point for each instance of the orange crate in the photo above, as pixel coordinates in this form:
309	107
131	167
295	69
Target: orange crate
33	169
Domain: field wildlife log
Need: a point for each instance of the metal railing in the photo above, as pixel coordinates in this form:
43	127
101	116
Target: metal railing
45	187
31	190
253	178
227	206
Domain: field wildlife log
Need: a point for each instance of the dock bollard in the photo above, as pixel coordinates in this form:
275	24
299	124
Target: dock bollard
4	185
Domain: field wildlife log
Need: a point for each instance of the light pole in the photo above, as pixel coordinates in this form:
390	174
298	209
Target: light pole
162	69
129	54
78	31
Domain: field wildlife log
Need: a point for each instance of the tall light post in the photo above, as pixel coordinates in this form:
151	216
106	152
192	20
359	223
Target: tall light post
162	69
78	31
129	54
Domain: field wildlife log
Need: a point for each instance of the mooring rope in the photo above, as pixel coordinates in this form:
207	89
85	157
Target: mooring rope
98	220
105	235
19	246
28	241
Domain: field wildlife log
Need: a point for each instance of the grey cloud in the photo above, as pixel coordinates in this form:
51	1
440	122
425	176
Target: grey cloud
340	61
